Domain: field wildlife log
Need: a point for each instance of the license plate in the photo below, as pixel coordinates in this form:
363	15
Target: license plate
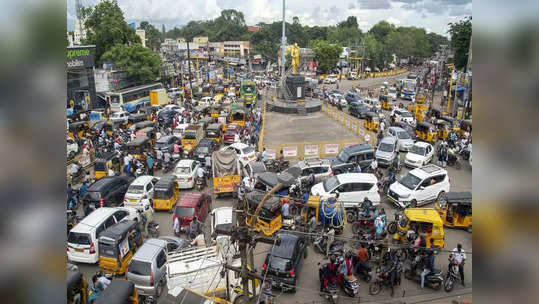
133	201
79	250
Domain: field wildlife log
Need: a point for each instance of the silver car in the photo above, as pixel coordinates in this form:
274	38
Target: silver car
387	151
404	141
147	268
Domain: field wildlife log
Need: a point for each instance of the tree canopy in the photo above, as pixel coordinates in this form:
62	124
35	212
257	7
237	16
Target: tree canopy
153	36
326	54
136	60
461	33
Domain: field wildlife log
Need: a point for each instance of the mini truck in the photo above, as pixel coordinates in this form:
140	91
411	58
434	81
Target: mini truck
226	171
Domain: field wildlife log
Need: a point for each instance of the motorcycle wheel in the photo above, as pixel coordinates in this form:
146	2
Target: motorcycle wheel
448	283
392	227
457	165
351	218
436	286
402	254
374	288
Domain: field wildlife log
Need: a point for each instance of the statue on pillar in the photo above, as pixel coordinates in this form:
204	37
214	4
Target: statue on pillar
294	53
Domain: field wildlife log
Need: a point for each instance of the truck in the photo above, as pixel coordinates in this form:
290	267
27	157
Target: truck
408	89
248	91
226	171
198	269
159	97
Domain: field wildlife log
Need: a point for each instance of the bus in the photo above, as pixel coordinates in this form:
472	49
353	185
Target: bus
131	99
248	91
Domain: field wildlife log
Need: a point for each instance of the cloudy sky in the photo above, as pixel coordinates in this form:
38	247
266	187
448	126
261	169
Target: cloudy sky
433	15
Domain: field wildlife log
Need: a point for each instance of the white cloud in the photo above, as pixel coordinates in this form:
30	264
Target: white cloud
393	20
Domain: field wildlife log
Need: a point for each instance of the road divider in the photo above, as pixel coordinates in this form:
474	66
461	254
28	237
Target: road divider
351	123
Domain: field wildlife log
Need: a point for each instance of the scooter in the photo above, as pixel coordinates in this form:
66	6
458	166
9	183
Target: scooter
168	166
452	159
350	285
433	280
153	229
331	292
383	278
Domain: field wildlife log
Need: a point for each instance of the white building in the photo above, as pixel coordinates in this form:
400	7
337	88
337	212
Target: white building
142	35
79	33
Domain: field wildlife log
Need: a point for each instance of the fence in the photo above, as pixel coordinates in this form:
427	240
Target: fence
371	74
350	122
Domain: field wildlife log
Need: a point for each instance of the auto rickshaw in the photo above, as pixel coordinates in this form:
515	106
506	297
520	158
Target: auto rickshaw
214	131
117	244
443	128
76	287
426	131
140	125
386	105
452	122
108	126
136	117
191	136
465	126
105	161
206	90
312	207
81	128
420	220
238	116
203	110
119	292
166	193
218	98
138	146
205	122
372	121
148	132
455	209
269	220
215	110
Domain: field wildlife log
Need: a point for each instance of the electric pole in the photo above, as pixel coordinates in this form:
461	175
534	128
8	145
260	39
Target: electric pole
283	45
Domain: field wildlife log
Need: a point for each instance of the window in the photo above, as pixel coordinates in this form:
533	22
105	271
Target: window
360	157
120	214
369	155
161	259
99	229
438	179
321	170
362	186
148	187
172	246
426	182
109	222
346	187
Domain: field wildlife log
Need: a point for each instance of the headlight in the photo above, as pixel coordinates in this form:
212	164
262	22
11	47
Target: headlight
404	196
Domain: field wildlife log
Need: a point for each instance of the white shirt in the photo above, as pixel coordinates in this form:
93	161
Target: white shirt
145	203
382	126
133	136
157	135
200	172
459	256
111	173
104	281
176	226
247	182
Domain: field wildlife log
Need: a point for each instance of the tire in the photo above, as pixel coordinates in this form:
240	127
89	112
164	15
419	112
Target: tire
441	195
392	228
159	290
305	253
350	218
402	254
413	204
437	286
449	283
374	288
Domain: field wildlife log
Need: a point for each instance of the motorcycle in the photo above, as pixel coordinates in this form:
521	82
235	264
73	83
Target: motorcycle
271	165
153	229
433	280
72	203
336	247
331	292
141	169
452	159
383	279
168	166
452	274
348	283
364	273
200	183
148	300
283	165
78	175
72	219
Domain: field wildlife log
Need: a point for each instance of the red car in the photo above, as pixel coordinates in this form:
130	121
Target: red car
189	205
230	133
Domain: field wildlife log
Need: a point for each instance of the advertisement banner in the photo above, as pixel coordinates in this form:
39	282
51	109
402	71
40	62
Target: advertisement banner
310	150
271	153
331	148
291	151
84	160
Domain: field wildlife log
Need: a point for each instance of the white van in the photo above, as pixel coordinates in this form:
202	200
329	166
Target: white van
82	245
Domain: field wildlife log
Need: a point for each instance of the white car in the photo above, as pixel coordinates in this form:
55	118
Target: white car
141	187
404	141
246	153
404	116
72	148
392	93
173	107
206	101
186	171
332	78
419	155
419	187
353	188
372	103
119	116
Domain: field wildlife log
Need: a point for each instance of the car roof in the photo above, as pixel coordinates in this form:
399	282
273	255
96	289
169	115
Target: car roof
358	147
421	144
93	219
142	180
224	214
149	249
239	145
354	177
98	184
286	248
205	142
164	139
427	171
189	199
389	139
309	162
185	163
397	129
423	215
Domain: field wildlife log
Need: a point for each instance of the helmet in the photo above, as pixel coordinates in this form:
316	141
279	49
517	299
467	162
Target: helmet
332	259
422	235
348	254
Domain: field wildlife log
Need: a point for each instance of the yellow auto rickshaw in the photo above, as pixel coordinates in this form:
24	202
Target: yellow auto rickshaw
238	116
117	245
138	146
465	126
269	220
81	128
372	121
192	135
386	105
105	161
214	131
141	125
443	128
215	110
218	98
136	117
148	132
100	125
454	124
419	220
455	209
311	208
223	119
426	131
166	193
76	286
119	292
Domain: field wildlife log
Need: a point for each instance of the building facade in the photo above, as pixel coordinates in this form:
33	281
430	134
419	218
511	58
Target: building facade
142	36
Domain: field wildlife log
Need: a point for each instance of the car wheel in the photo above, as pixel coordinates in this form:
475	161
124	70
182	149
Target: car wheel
441	197
413	204
71	155
159	289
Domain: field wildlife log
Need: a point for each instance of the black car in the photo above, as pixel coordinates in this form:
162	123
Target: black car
205	147
348	158
166	118
283	262
351	97
166	143
358	109
110	189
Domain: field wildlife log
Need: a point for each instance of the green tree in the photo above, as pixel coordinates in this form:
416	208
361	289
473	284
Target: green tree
381	29
351	21
435	41
136	60
461	33
106	28
153	36
163	31
326	54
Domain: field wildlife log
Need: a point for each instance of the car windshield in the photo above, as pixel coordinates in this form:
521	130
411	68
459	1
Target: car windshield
183	170
330	183
410	181
406	114
385	147
184	211
343	156
139	268
418	150
135	189
403	135
78	238
203	150
279	264
247	150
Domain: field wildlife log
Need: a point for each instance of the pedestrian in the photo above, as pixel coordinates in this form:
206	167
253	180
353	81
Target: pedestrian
460	256
176	226
264	154
149	162
379	138
285	208
194	227
382	126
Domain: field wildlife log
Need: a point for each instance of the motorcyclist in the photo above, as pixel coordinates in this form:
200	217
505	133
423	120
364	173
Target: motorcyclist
380	222
366	208
347	266
328	273
428	266
166	158
362	260
391	271
201	173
